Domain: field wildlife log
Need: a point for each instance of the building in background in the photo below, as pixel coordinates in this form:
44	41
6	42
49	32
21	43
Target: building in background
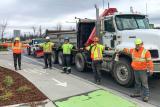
16	33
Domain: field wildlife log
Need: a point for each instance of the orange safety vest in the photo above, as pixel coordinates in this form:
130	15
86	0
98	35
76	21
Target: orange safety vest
17	48
141	59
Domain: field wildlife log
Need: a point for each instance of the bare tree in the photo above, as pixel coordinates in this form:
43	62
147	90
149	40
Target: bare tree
3	26
59	26
34	30
40	31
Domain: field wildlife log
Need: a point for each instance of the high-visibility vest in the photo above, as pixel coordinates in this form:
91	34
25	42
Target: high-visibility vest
67	47
96	51
141	59
47	47
17	48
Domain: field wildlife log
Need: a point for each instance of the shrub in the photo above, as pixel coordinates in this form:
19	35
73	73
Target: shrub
23	88
8	81
6	96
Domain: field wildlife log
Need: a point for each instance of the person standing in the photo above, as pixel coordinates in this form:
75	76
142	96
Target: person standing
17	49
141	64
47	50
67	48
96	55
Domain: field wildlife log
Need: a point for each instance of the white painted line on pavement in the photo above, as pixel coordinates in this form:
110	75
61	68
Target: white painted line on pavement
64	84
40	71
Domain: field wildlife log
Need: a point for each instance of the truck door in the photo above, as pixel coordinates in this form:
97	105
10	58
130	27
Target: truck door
109	30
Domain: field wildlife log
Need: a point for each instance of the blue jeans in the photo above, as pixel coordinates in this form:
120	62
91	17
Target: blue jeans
141	82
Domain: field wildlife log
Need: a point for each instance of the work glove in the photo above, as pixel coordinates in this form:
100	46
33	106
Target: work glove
149	72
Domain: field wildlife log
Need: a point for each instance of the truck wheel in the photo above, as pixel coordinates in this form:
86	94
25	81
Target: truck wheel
123	73
80	62
54	57
29	51
60	58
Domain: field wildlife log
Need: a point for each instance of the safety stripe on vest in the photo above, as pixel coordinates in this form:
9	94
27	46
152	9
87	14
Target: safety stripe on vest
142	59
95	48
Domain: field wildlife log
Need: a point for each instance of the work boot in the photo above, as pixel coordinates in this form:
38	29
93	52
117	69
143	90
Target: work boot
20	68
145	99
135	95
69	71
45	67
64	70
16	68
98	81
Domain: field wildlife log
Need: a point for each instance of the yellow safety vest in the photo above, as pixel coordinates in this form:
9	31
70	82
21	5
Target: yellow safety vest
47	47
96	51
67	47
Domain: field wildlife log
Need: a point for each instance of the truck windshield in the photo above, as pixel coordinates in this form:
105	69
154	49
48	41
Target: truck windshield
38	41
129	22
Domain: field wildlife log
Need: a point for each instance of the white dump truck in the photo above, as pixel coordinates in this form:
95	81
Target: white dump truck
118	31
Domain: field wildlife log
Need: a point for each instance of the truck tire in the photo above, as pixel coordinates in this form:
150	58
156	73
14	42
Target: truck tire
60	58
123	73
29	51
54	57
80	62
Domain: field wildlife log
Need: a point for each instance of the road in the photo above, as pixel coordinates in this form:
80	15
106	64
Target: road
108	81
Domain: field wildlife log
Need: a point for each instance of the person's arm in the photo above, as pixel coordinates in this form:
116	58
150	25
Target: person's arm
53	45
25	45
149	62
6	44
127	50
41	45
87	48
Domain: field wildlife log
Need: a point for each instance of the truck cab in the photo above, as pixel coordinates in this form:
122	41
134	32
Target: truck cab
119	31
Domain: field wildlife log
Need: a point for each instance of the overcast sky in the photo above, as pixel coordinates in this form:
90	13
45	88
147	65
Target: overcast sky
50	12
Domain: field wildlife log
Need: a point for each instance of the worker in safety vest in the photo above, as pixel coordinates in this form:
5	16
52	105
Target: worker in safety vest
141	64
67	48
96	51
47	50
17	48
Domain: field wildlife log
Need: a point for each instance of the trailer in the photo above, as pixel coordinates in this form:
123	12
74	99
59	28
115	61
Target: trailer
117	31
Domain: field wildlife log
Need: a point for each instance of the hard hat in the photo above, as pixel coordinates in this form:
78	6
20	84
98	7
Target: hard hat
95	39
17	39
138	41
66	38
47	37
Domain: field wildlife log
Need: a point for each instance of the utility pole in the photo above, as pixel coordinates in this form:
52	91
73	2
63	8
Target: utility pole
97	20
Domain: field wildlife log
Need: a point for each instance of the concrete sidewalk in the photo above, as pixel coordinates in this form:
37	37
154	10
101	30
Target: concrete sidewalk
55	85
